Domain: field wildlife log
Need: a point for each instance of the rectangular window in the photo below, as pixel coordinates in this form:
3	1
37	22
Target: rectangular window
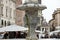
14	14
42	29
8	23
10	12
2	22
6	1
2	11
5	23
6	11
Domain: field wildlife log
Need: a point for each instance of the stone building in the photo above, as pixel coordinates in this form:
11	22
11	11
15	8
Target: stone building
45	28
19	14
56	18
7	12
52	24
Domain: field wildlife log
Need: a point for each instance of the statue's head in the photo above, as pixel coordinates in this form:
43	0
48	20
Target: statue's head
32	1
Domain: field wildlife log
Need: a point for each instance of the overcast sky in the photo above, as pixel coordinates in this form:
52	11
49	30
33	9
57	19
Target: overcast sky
51	6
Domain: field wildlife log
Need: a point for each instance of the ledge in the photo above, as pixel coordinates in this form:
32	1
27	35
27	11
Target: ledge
31	6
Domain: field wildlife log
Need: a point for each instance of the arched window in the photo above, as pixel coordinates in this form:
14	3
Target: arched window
1	22
5	23
53	27
9	23
38	28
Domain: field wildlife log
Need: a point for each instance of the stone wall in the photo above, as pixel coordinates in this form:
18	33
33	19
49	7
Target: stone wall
19	14
56	18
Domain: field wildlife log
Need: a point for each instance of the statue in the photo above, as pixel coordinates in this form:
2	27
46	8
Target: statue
32	19
31	1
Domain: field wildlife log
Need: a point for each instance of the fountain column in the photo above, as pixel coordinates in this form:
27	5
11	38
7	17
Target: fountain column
31	8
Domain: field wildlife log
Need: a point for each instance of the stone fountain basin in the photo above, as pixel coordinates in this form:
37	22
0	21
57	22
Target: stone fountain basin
31	6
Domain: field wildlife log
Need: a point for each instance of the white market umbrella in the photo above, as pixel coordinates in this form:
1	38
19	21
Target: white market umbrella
58	27
2	29
38	31
50	33
15	28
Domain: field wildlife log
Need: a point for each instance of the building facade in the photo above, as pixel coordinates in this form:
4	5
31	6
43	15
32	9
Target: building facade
44	28
56	18
19	14
7	12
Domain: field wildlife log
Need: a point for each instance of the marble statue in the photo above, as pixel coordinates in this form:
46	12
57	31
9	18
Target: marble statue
31	19
31	1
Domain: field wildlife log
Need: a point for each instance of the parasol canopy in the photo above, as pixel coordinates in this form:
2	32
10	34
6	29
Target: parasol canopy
15	28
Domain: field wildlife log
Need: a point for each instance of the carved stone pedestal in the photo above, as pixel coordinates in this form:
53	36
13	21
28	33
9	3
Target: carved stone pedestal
32	21
28	38
31	8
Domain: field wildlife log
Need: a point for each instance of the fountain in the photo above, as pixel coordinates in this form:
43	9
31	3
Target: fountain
33	12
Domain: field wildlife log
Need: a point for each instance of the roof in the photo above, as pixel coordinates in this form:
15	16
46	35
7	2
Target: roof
51	20
56	12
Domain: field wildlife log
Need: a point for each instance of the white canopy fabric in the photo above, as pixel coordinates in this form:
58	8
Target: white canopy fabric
58	27
2	29
15	28
54	32
38	31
